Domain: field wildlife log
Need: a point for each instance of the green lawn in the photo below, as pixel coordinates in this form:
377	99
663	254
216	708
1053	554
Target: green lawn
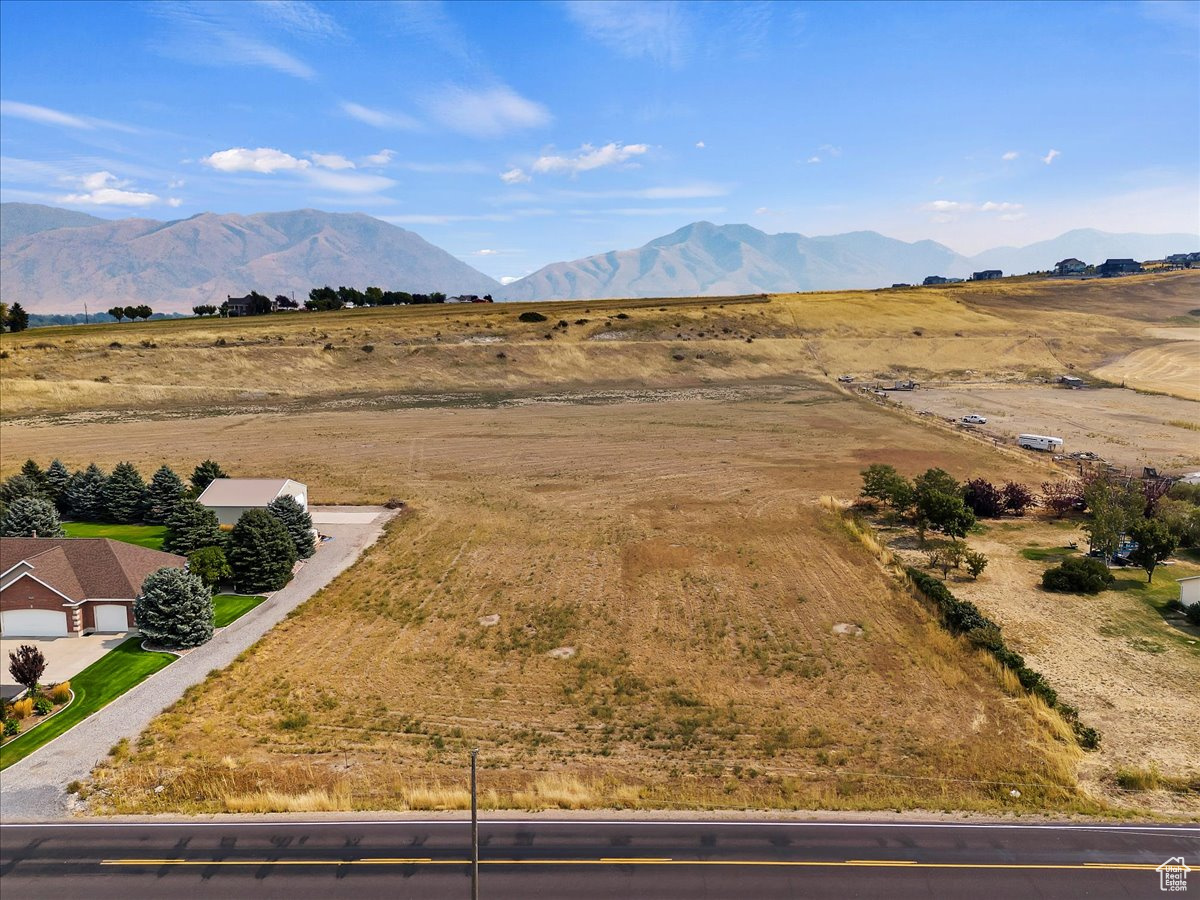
96	686
1157	596
229	607
143	535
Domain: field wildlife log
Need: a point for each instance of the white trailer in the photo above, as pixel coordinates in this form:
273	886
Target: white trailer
1039	442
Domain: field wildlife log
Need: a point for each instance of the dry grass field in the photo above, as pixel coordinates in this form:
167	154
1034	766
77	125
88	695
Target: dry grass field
957	331
615	577
674	546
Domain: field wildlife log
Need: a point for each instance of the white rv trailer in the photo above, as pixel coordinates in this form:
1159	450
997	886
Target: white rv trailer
1039	442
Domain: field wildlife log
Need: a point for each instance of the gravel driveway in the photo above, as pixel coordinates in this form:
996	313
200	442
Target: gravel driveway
33	789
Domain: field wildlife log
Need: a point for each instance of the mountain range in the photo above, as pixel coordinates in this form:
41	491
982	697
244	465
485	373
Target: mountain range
53	260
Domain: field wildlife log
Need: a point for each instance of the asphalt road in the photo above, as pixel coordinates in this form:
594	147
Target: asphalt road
581	859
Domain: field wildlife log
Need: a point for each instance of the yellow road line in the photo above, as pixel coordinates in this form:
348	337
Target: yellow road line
632	861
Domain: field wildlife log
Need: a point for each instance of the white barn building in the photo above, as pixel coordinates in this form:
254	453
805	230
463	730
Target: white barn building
1189	591
230	497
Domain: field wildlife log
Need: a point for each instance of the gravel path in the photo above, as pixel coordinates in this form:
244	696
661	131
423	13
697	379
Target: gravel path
33	789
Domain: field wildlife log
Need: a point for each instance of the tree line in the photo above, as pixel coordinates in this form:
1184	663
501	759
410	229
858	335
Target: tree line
324	299
258	553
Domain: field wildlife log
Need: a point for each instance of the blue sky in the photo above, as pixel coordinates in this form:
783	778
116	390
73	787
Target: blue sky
516	134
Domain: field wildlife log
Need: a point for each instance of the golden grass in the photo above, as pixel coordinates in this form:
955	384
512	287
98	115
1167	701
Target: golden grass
277	361
22	709
61	692
558	791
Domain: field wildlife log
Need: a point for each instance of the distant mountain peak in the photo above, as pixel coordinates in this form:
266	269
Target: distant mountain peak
172	266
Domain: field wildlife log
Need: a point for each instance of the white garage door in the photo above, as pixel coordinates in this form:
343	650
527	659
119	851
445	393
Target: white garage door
33	623
111	617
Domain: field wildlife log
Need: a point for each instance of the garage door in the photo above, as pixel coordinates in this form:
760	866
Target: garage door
111	617
33	623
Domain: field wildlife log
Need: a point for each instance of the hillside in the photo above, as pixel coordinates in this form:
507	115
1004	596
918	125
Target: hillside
19	220
172	266
705	259
712	260
989	330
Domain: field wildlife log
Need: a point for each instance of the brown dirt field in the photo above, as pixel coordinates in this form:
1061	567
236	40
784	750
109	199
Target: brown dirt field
1122	426
1133	673
1172	367
674	544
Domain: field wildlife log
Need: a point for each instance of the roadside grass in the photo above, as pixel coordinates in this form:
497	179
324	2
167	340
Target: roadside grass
99	684
143	535
228	608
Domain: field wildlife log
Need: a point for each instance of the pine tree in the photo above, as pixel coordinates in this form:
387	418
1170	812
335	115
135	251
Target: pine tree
124	495
165	493
175	609
18	486
31	469
31	517
56	483
204	474
190	527
297	521
84	494
261	552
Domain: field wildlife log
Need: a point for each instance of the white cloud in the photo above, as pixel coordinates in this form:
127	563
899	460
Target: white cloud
656	29
348	182
105	189
589	157
508	279
486	112
812	160
382	158
485	252
174	201
672	192
461	167
299	17
700	145
230	34
989	206
1010	156
44	115
1051	156
175	183
949	210
263	160
331	160
830	150
379	118
514	176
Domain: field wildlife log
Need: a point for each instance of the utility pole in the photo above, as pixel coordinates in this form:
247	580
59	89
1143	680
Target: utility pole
86	320
474	830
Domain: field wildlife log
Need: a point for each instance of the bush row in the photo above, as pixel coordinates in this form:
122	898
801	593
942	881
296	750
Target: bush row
963	617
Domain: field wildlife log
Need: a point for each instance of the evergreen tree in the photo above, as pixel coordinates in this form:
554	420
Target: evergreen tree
297	521
31	517
192	526
165	493
31	469
18	486
204	474
261	552
18	318
175	609
56	483
124	495
84	494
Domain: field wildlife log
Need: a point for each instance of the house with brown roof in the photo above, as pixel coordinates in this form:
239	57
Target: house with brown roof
230	497
72	586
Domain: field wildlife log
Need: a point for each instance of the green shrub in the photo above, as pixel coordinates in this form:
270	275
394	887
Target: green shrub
43	706
531	317
11	727
1078	575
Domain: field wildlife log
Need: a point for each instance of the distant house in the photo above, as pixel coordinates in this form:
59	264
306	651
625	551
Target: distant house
1071	381
935	279
1111	267
250	305
1184	260
901	284
230	497
56	587
1189	590
987	275
1070	266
